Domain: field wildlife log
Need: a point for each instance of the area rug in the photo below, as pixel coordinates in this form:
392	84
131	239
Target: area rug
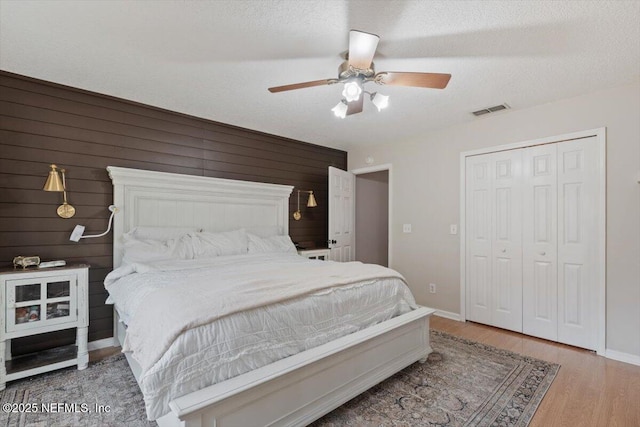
462	383
104	394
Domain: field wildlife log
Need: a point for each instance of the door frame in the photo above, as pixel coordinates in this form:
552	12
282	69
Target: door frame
379	168
600	135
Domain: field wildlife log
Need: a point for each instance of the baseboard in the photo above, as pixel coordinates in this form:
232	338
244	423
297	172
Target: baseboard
447	315
103	343
622	357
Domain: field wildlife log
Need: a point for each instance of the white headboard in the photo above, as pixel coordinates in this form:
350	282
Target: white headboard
147	198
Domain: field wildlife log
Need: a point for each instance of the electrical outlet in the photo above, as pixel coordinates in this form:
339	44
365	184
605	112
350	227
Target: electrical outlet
453	229
406	228
432	288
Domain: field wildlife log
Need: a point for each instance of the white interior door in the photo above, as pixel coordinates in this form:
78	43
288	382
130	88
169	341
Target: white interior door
539	235
578	267
342	237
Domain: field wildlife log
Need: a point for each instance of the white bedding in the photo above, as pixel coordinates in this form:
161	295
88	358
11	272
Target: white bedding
240	319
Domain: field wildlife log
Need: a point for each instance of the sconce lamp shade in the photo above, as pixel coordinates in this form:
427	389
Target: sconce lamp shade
54	182
311	203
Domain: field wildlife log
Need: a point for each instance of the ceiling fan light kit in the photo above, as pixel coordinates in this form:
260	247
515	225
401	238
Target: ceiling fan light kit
379	100
352	91
340	110
359	69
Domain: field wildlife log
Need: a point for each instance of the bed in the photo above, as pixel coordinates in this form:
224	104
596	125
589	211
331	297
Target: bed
293	386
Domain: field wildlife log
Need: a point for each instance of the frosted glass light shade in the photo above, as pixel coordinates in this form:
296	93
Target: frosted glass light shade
340	110
381	101
352	91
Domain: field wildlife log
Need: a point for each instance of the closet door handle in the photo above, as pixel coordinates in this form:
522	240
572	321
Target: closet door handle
504	250
543	253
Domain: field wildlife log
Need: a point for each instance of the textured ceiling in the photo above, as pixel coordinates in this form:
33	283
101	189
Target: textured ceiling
216	59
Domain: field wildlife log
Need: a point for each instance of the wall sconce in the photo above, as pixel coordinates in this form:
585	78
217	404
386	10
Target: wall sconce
78	232
311	203
55	183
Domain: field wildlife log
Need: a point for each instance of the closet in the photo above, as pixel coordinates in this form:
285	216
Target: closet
532	261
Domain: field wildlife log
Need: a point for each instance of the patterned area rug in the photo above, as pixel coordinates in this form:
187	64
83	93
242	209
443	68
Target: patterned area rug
104	394
463	383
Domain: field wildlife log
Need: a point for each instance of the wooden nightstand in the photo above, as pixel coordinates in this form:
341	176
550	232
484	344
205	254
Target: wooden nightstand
35	301
321	254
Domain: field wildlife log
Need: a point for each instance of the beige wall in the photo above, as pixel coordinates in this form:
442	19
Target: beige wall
426	194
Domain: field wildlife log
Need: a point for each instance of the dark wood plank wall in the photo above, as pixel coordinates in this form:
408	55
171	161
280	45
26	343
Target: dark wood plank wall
84	132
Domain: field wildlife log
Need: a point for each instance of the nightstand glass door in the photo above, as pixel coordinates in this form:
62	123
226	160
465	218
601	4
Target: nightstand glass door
32	303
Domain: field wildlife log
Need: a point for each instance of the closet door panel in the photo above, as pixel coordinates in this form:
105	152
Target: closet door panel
540	228
478	226
506	228
577	221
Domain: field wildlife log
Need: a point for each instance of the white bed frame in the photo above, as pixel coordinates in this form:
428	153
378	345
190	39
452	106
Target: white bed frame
293	391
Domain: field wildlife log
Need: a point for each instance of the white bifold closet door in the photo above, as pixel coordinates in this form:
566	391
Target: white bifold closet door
578	242
532	246
494	249
540	245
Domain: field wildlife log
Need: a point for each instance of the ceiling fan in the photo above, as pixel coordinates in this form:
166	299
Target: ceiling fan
359	69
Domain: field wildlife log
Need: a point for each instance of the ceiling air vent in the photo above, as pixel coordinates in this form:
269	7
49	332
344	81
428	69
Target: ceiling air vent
491	109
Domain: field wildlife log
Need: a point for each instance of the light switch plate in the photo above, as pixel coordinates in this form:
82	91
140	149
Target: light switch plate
406	228
453	229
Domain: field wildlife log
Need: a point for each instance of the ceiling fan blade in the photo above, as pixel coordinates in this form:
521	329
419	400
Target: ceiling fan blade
356	106
301	85
362	47
428	80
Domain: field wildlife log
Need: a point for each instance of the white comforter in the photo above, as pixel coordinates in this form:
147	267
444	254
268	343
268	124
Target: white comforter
242	312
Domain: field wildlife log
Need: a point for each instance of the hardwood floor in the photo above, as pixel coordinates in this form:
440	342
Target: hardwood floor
589	390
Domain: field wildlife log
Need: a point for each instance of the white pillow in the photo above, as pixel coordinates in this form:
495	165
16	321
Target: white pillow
273	244
265	231
208	245
160	233
139	250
